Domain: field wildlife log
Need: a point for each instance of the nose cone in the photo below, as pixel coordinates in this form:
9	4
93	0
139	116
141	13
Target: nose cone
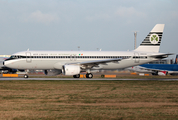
11	64
6	63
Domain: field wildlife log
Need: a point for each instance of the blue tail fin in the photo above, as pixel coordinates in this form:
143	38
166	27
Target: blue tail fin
176	59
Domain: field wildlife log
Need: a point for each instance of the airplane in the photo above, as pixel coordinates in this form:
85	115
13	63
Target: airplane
157	69
141	70
76	62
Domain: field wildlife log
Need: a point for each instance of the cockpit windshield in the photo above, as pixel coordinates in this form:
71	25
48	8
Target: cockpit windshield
14	57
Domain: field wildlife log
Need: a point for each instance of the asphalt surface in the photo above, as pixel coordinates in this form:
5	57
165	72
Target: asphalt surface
155	79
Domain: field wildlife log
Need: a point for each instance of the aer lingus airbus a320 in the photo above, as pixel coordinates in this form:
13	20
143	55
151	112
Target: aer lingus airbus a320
76	62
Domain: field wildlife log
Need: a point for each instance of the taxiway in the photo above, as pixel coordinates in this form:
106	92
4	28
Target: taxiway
114	79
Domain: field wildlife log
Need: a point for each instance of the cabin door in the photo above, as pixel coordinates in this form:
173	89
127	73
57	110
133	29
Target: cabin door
136	57
73	58
28	57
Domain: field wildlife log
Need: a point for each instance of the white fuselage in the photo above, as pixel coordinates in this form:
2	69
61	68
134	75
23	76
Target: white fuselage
56	59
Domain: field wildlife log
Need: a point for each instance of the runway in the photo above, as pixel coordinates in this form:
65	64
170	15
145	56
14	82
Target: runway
97	79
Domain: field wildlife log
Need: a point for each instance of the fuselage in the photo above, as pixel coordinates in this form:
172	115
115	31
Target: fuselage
56	59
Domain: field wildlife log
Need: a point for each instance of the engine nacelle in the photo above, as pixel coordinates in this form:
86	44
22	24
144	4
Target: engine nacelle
71	69
162	73
52	72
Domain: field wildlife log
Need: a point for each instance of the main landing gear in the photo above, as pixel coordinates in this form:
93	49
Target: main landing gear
88	75
25	76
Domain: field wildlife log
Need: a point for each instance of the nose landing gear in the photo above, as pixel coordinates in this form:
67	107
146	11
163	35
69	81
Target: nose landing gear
25	76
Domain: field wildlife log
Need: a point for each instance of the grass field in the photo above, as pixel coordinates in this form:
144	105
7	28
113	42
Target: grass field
100	100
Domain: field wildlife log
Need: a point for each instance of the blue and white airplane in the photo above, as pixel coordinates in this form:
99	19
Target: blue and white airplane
157	69
76	62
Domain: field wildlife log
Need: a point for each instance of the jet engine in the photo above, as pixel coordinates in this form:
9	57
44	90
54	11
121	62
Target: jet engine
162	73
71	69
52	72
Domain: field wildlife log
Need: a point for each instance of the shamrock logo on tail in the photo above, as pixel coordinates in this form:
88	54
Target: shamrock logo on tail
154	38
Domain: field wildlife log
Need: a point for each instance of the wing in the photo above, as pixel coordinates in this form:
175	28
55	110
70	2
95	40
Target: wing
151	69
95	63
140	69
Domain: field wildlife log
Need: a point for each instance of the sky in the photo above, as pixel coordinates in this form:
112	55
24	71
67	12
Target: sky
108	25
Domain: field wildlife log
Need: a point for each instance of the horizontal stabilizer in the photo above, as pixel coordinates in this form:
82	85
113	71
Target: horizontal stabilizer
161	55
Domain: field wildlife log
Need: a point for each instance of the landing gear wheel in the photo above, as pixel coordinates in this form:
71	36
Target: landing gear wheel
89	75
102	76
76	76
166	73
25	76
